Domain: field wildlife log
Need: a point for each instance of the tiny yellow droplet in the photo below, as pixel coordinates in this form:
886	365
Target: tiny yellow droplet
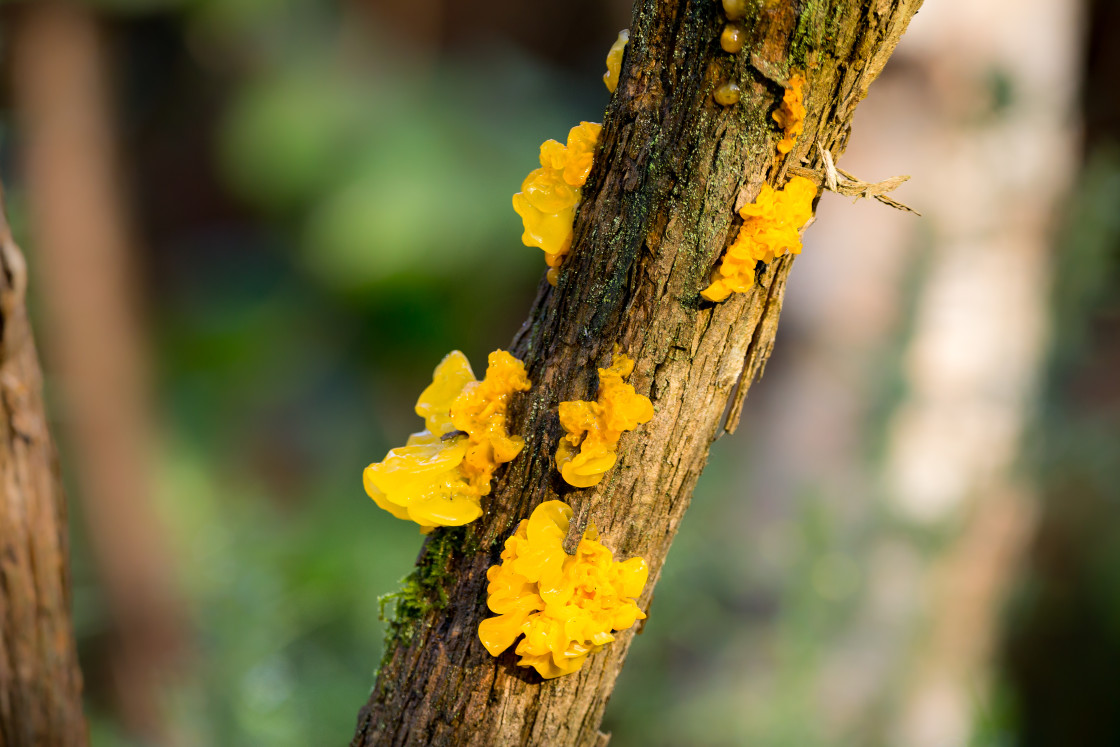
732	38
735	9
728	94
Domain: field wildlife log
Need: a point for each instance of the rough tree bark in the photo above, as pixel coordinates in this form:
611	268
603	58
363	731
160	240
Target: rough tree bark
40	683
658	210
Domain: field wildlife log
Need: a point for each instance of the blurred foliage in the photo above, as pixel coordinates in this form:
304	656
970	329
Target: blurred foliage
732	648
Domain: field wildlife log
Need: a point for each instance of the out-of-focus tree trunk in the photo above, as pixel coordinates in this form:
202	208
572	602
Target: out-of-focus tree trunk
62	84
40	683
929	532
973	367
657	213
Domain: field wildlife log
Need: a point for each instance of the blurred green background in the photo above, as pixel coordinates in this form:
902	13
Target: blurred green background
316	199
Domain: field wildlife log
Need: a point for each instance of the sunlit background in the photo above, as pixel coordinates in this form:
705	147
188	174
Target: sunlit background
254	227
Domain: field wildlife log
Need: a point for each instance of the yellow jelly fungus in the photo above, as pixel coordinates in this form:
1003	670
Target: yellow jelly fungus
549	195
439	475
614	60
735	9
790	116
728	94
770	229
565	605
592	429
732	38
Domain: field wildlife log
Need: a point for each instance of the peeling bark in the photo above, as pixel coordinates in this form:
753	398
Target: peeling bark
658	210
40	683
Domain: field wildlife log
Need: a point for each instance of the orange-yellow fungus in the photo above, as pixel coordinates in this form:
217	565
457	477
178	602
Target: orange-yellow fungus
549	195
439	475
592	429
770	229
728	94
735	9
565	605
732	38
790	116
614	60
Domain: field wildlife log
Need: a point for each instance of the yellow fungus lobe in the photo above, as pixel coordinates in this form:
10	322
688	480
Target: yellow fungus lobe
732	38
565	605
549	195
614	60
790	116
735	9
770	229
592	429
728	94
439	475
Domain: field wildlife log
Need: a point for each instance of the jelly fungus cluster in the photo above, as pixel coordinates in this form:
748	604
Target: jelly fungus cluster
592	429
438	477
549	195
614	60
770	229
790	116
565	605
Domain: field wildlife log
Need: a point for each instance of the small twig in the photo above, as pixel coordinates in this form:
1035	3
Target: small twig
844	183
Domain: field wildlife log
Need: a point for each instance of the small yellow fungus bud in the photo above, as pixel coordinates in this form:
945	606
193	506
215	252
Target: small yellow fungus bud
592	429
732	38
549	195
770	229
439	475
565	606
735	9
790	116
728	94
614	60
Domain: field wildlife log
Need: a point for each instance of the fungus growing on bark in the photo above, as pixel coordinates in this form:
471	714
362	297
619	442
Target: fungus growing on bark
549	195
439	475
592	429
728	94
770	229
735	9
565	605
790	116
614	60
732	38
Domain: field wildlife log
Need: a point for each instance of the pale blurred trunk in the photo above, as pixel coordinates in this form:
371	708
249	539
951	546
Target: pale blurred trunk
83	250
987	89
974	364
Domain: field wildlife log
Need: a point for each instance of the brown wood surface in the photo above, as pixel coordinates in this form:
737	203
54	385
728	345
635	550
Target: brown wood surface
40	683
658	210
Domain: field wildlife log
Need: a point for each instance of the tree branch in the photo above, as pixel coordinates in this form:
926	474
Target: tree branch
40	683
657	212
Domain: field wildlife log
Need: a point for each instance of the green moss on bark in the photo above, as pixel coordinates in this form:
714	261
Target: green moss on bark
425	589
